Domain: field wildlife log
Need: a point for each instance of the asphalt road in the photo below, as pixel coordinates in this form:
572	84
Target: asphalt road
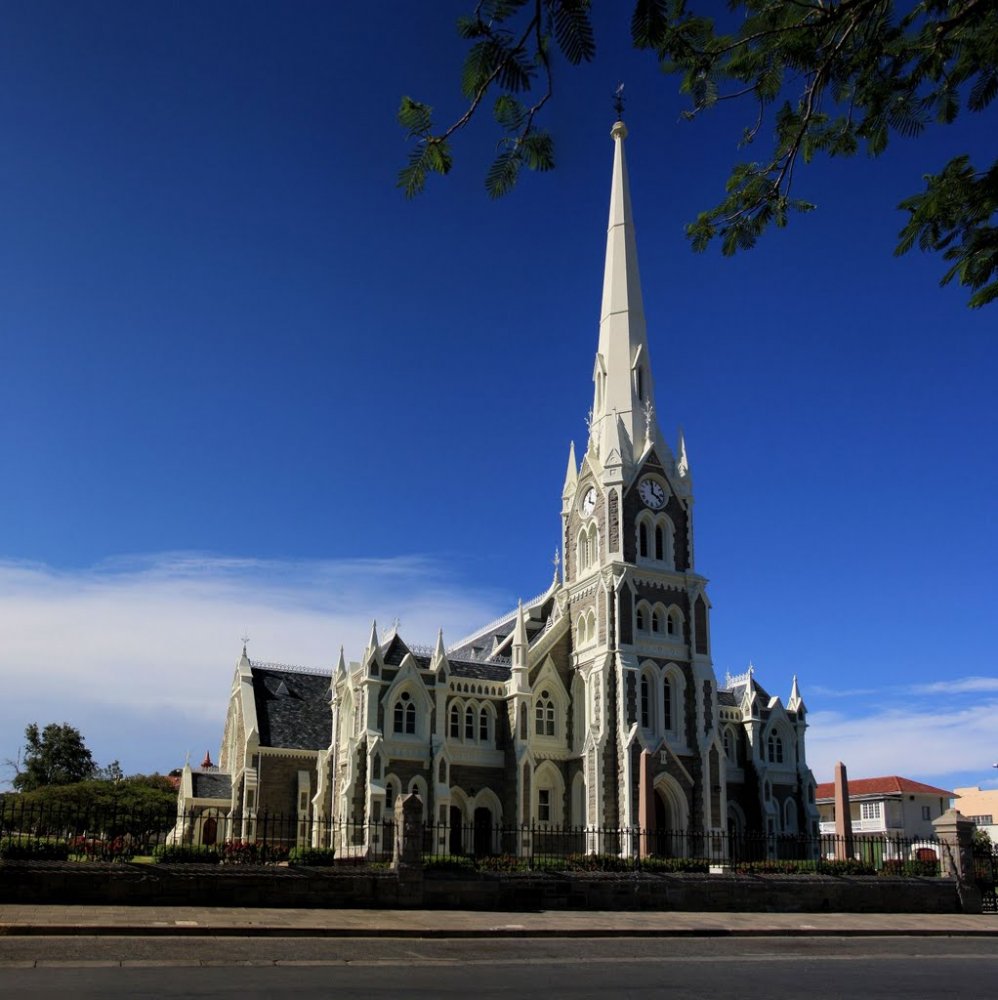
773	968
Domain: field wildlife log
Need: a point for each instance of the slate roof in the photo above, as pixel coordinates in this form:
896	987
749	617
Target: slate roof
892	784
292	709
212	785
727	698
479	671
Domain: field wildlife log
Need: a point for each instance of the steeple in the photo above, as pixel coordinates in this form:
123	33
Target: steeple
572	474
622	372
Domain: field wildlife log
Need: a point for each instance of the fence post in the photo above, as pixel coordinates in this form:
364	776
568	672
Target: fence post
956	841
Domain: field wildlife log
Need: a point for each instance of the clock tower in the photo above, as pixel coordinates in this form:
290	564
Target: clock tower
638	609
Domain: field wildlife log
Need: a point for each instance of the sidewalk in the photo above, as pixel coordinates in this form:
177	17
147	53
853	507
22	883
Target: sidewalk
23	920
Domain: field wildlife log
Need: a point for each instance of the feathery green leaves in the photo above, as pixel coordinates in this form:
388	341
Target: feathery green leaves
820	78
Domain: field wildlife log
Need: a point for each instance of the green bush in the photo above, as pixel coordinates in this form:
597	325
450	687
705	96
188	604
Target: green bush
448	863
185	854
910	869
312	857
502	863
596	863
803	867
28	849
698	865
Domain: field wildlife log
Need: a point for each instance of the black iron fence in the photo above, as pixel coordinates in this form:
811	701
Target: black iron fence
33	830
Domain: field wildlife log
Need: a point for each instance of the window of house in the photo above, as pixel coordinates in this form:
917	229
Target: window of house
643	540
926	812
659	543
640	620
727	744
544	805
544	715
775	749
455	723
483	726
645	704
389	797
869	810
672	623
469	723
656	622
667	704
404	716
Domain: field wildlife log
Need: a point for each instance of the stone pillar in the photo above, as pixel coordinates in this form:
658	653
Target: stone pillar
646	805
408	832
843	814
956	857
407	860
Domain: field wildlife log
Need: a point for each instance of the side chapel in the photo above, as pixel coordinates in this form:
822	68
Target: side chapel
594	705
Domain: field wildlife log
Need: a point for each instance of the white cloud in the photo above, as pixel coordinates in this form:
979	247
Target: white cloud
922	742
138	652
959	685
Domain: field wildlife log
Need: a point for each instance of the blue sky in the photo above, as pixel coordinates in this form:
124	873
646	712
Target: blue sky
244	385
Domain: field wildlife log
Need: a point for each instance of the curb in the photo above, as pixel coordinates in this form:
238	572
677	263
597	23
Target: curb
159	930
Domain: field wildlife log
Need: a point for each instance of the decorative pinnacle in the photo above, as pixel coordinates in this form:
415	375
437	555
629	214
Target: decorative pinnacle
618	102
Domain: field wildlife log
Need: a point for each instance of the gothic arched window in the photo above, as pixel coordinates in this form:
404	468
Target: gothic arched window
775	748
645	703
544	717
469	723
404	716
643	540
455	723
656	623
640	618
667	704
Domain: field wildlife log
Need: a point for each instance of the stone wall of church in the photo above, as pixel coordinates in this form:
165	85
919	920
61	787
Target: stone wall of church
277	792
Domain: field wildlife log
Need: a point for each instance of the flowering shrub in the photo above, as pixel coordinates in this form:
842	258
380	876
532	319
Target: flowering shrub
185	854
98	849
243	852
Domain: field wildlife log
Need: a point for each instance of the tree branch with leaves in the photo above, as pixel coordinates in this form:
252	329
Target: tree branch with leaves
828	76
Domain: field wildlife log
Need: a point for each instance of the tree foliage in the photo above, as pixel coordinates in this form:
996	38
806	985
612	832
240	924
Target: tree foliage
139	794
55	755
818	76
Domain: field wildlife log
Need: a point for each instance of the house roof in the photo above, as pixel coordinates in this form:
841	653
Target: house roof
292	709
891	784
212	785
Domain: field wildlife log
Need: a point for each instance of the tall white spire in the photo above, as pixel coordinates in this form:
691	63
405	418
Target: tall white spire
622	372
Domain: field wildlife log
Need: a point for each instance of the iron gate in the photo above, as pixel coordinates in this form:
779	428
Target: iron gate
985	872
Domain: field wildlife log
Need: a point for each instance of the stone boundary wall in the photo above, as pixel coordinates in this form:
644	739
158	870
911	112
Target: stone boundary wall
320	888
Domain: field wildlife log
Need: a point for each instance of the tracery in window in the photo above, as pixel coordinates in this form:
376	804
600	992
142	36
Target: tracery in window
544	717
404	715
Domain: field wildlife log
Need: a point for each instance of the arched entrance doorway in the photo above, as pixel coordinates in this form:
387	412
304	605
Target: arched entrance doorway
483	831
671	818
209	831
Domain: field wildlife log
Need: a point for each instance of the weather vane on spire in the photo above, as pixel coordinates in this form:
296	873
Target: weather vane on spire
618	101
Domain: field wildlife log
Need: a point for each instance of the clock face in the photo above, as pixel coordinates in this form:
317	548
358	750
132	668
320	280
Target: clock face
653	493
589	501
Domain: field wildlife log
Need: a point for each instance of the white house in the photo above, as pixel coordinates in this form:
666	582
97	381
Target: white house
887	805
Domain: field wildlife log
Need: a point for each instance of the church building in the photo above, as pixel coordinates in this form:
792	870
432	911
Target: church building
594	705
